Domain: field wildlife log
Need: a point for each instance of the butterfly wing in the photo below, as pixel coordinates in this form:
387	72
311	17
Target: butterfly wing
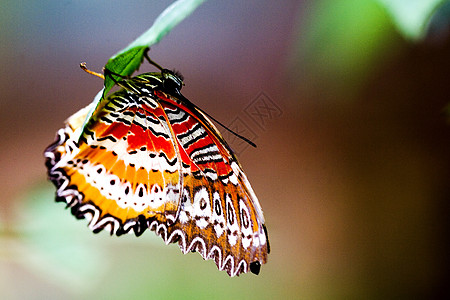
150	160
124	171
220	216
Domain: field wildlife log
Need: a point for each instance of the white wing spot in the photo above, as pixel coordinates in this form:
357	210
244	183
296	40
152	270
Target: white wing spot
202	208
232	223
218	218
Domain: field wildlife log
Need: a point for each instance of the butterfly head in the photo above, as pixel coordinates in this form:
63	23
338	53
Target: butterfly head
172	80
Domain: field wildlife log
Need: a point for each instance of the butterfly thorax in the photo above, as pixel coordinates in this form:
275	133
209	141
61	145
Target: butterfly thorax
166	81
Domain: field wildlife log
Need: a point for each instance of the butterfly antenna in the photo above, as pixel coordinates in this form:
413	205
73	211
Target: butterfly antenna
84	68
214	119
211	117
233	132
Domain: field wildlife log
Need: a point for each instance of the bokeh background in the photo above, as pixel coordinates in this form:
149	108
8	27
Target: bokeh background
352	166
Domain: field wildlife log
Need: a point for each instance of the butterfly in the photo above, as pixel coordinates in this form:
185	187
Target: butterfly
148	158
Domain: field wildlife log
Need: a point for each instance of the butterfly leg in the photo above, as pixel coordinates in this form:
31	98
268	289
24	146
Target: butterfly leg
151	61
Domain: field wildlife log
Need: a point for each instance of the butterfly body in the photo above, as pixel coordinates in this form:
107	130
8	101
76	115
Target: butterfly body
149	158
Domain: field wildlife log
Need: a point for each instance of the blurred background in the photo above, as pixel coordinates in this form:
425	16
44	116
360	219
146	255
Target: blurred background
346	101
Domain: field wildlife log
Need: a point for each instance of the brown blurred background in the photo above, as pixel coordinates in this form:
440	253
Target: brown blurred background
351	169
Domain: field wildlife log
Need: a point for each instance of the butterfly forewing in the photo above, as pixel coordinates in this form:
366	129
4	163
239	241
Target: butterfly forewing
149	159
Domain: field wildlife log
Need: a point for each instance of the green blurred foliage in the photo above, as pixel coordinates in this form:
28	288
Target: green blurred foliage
411	17
48	243
338	42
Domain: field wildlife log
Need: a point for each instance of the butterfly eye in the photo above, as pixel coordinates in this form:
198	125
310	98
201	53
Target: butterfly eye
171	81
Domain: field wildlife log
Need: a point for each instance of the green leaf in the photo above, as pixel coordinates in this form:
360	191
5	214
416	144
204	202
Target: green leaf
411	17
128	60
124	64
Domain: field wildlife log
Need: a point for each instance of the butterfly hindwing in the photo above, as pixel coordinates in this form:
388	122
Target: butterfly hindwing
220	216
